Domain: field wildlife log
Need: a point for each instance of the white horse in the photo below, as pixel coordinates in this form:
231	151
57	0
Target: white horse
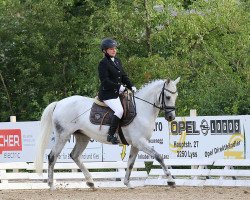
71	116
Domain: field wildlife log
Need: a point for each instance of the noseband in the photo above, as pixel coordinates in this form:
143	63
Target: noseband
163	106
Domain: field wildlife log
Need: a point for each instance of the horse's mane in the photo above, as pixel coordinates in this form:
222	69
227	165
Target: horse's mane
149	85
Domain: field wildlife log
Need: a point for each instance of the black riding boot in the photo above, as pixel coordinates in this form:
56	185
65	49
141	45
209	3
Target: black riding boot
113	127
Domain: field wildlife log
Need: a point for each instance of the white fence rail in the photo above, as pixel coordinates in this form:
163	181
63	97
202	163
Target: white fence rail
186	172
67	175
202	172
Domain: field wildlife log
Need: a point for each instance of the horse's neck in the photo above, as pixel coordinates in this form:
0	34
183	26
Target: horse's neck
149	93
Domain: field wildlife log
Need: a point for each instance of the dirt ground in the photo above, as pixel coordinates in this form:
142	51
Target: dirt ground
142	193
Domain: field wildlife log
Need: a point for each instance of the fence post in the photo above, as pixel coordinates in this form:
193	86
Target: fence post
193	113
12	118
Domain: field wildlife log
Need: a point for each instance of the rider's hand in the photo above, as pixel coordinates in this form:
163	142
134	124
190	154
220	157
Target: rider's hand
121	90
134	89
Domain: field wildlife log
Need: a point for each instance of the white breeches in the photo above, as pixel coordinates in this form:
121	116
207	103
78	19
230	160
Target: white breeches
116	106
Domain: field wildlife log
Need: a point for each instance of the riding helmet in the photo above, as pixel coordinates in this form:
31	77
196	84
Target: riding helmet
108	43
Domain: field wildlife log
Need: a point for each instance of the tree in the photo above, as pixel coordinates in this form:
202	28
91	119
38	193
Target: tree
50	50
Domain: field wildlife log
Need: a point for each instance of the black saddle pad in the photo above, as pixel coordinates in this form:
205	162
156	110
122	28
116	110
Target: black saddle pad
103	115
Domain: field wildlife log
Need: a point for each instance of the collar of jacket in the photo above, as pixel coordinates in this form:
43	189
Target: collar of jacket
108	56
114	63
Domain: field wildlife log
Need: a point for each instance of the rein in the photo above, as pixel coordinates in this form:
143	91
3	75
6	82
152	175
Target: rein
163	103
153	104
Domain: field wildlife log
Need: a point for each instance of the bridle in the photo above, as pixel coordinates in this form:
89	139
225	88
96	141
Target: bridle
163	105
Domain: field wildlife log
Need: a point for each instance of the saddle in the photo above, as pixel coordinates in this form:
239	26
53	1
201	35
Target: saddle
101	114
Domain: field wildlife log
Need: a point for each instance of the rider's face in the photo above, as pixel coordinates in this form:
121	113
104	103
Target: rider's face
111	51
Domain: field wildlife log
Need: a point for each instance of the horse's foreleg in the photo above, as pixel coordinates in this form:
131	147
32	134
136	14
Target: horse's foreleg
133	153
150	151
56	150
81	143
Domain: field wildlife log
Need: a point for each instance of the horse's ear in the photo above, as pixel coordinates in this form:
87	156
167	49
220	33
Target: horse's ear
177	80
168	80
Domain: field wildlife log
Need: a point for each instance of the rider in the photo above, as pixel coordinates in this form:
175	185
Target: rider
113	82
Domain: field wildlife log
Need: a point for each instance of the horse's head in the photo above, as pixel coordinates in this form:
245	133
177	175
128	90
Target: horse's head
168	97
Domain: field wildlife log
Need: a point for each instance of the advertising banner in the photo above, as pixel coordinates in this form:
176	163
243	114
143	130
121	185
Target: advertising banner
246	130
93	151
17	141
18	144
211	137
159	141
208	137
201	137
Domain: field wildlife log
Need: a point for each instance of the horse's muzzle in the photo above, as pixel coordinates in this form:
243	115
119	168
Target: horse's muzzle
169	116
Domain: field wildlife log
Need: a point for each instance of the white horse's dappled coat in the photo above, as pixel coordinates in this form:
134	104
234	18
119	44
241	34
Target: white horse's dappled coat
71	116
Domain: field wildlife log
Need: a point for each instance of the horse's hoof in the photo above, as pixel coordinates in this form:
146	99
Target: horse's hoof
90	184
129	186
171	184
52	188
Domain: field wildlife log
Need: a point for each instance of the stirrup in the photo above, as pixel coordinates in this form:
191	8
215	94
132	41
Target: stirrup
112	139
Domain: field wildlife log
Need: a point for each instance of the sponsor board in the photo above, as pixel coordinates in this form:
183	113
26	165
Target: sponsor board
18	144
193	137
186	137
246	130
207	137
17	141
92	153
159	141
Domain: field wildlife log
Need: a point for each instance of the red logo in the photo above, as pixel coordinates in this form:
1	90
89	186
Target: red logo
10	140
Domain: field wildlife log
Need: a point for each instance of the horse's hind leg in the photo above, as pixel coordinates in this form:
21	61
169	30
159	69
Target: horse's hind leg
81	143
56	150
133	153
143	146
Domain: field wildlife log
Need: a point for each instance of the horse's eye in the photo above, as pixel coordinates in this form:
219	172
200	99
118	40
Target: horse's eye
168	97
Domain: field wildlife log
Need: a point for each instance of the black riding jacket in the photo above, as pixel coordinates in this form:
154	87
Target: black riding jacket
111	75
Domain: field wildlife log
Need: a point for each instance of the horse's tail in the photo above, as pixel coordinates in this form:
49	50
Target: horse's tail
43	140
